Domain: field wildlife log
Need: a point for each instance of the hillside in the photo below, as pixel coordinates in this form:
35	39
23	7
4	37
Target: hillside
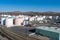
31	13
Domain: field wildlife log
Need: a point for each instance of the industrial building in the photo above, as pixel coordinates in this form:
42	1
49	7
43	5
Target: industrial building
20	20
51	32
23	20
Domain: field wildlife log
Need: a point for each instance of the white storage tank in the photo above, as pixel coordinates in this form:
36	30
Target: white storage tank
32	19
9	21
3	21
18	21
40	18
26	18
25	23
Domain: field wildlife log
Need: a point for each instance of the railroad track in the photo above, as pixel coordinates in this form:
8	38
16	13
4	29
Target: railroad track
13	36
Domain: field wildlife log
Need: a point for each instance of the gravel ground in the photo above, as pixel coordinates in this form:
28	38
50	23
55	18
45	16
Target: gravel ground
3	38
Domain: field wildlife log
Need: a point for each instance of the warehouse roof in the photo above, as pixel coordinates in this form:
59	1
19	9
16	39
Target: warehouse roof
52	29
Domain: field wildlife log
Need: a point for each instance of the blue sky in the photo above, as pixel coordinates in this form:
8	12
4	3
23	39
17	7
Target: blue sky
30	5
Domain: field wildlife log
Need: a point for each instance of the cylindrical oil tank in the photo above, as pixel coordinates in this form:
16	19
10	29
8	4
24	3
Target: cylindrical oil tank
26	18
32	19
25	22
3	21
18	21
9	21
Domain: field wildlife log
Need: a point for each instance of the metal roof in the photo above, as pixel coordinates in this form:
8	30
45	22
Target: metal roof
52	29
